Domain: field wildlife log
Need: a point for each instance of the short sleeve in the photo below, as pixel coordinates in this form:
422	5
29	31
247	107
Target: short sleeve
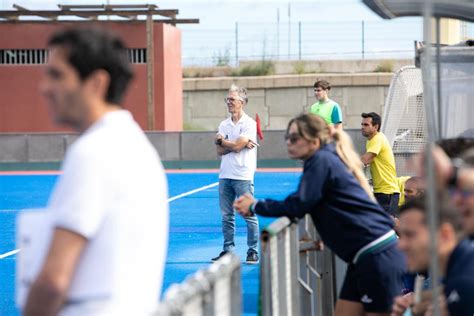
220	130
249	130
375	145
79	200
336	115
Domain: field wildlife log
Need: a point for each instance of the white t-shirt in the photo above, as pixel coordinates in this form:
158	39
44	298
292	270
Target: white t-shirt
114	193
241	165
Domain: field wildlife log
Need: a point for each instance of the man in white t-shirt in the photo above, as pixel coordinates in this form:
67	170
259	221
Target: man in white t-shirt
109	208
236	143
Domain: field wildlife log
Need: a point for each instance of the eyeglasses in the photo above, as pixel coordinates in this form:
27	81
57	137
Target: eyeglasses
460	192
231	100
293	137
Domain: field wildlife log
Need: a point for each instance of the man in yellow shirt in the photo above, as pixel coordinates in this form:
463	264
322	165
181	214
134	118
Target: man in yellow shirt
379	156
410	188
401	186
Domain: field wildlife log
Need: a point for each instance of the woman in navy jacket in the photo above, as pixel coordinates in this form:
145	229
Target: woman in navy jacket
335	192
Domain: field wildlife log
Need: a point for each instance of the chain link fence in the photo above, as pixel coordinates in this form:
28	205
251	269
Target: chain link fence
243	41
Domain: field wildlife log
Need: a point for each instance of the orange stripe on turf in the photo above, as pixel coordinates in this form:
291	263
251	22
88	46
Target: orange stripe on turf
171	171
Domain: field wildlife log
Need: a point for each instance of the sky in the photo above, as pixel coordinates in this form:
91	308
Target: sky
243	10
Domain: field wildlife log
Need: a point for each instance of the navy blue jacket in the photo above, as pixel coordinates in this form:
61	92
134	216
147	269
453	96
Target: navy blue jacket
344	215
459	280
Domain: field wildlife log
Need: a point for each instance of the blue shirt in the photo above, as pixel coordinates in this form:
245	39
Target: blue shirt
459	280
336	115
343	213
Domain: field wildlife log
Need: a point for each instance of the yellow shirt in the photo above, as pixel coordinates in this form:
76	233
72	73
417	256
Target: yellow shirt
382	168
401	185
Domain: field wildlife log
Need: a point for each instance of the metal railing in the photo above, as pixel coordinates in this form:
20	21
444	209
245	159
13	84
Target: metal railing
297	276
213	291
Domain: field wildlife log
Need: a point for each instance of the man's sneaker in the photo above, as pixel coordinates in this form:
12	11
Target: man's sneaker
223	253
252	257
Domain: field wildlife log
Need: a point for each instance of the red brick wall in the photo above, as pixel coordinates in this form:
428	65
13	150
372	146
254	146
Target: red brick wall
23	109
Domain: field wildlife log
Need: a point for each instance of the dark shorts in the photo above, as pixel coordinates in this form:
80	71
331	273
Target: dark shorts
389	202
375	280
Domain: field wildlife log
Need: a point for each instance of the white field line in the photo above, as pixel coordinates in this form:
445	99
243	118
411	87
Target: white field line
171	199
10	253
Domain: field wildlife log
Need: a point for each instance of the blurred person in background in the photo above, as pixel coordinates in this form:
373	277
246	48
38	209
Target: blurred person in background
109	206
414	187
401	186
455	254
454	163
464	196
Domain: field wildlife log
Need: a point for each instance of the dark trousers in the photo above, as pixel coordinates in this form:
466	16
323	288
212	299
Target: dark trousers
389	202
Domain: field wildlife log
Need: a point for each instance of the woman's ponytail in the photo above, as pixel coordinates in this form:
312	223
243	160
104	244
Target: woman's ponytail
345	150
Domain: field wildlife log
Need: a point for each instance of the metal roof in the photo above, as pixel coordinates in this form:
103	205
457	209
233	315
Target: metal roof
389	9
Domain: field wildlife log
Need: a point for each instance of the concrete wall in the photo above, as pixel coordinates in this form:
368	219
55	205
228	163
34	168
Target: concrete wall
277	99
185	146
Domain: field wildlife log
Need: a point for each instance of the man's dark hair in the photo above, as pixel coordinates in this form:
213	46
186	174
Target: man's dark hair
447	213
376	119
323	84
90	49
455	147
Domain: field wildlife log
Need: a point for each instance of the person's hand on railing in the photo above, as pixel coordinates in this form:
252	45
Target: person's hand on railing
420	308
401	304
245	204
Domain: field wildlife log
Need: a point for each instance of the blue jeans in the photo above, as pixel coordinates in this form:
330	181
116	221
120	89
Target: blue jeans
229	190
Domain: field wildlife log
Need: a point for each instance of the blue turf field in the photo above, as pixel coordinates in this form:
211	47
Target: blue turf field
195	227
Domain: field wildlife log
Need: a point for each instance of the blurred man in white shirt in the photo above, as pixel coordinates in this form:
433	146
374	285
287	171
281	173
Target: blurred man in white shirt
109	208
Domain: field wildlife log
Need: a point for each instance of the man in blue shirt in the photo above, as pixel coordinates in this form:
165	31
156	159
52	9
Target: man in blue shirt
456	254
464	197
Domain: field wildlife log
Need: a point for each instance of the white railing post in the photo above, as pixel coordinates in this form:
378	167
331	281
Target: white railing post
296	278
210	292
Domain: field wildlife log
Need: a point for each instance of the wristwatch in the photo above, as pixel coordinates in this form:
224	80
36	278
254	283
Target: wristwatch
218	141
